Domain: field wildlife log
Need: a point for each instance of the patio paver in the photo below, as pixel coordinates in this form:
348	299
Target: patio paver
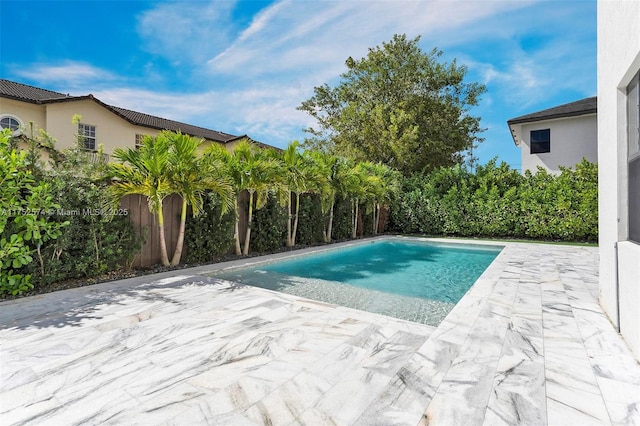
528	344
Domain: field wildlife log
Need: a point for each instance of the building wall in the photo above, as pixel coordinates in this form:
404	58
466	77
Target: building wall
111	130
23	111
56	119
571	139
618	62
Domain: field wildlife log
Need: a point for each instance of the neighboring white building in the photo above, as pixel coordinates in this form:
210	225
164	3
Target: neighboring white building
558	136
619	168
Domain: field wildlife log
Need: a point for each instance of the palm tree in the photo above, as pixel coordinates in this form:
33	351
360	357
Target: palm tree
381	185
190	176
340	177
356	189
145	172
300	175
252	169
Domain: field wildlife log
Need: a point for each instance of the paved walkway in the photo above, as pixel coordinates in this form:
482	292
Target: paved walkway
528	345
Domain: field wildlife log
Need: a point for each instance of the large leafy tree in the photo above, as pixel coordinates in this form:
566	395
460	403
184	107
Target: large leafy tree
399	106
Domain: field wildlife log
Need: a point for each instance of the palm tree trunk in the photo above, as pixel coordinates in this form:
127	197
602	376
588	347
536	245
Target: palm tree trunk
295	222
373	219
376	226
177	254
327	235
236	232
355	220
289	238
164	258
249	220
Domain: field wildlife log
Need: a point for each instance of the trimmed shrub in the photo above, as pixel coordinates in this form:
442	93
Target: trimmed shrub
269	231
497	201
210	234
310	220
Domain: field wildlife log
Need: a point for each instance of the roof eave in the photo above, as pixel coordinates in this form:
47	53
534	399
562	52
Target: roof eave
525	120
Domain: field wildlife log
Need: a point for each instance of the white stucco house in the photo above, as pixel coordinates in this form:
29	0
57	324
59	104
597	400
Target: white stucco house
558	136
619	165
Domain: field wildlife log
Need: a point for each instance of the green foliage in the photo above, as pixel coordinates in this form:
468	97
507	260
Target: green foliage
497	201
62	230
311	219
25	204
269	231
342	219
147	172
96	241
399	106
210	234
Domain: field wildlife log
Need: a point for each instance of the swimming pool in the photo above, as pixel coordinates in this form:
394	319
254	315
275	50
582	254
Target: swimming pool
408	279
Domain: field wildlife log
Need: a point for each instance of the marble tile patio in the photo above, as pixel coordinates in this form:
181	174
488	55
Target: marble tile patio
528	345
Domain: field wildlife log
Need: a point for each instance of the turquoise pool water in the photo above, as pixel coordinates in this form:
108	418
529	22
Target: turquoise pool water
413	280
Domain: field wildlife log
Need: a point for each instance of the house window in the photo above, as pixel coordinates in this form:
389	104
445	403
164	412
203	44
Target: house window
540	141
139	139
633	156
9	122
87	135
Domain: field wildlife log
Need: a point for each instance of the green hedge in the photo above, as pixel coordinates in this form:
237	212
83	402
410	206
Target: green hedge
310	220
209	235
269	231
95	241
497	201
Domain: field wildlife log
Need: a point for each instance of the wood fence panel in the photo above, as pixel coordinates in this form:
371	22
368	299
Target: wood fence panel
146	225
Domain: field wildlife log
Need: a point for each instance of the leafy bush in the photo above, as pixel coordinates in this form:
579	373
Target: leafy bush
310	220
342	219
73	235
97	240
25	205
269	227
210	234
497	201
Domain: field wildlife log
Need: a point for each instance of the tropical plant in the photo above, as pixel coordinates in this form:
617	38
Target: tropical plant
250	169
190	176
24	208
381	186
357	188
301	175
144	171
341	179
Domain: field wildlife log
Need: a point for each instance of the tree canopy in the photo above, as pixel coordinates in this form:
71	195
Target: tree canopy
399	106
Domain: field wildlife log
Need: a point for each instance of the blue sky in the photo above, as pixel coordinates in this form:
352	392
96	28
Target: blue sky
244	66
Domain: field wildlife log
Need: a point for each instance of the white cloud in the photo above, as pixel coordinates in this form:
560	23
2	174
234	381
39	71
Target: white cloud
292	36
187	32
68	74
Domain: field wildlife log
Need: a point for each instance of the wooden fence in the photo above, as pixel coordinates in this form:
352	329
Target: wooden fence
146	225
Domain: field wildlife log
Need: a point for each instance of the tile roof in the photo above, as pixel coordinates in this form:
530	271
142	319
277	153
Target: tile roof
572	109
11	89
26	93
